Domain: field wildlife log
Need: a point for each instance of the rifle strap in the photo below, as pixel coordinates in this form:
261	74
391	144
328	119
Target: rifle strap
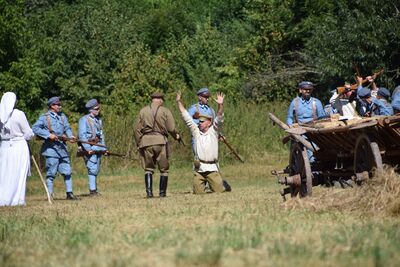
47	115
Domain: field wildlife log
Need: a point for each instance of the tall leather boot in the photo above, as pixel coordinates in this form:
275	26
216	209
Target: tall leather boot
148	180
163	185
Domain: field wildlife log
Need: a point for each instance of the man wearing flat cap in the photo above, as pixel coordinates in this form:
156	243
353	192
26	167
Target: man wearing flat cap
205	136
91	131
305	108
153	125
54	129
367	105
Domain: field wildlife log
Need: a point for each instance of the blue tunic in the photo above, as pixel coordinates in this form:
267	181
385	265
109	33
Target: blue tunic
58	124
305	110
396	101
381	107
202	109
56	153
90	128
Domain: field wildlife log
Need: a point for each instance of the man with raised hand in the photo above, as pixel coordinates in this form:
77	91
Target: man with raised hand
54	128
153	125
91	131
205	137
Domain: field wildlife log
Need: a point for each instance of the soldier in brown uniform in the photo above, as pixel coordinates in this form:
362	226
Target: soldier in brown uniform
151	135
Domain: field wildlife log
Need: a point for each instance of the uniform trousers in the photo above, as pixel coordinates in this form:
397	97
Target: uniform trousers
155	155
61	165
214	180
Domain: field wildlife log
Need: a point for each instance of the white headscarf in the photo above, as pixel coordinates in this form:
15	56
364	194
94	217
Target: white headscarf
6	108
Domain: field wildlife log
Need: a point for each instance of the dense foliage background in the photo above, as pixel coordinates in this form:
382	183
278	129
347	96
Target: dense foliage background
121	51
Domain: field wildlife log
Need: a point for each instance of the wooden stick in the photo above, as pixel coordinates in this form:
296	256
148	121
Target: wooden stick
42	179
298	138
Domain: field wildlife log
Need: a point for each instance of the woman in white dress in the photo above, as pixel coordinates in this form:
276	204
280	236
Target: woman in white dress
14	152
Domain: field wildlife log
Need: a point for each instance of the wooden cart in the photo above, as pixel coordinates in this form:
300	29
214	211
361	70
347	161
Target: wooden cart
330	150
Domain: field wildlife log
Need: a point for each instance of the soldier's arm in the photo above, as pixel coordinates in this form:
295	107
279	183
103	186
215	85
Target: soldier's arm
137	130
40	128
82	133
290	115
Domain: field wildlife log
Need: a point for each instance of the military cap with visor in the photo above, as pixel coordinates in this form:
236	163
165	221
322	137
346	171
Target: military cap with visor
157	95
204	92
364	92
305	85
92	103
55	100
383	92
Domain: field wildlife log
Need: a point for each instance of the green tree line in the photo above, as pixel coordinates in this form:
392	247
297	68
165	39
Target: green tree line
120	51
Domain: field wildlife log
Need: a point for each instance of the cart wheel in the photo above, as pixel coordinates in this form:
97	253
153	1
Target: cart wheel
366	155
300	164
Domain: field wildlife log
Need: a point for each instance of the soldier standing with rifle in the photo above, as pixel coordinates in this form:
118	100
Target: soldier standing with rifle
91	131
153	125
54	128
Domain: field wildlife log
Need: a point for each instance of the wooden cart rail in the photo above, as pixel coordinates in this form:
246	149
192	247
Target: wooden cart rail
341	150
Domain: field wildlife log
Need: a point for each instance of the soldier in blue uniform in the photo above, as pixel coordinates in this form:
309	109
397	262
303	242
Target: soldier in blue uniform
305	108
54	128
367	105
383	95
202	106
396	100
91	130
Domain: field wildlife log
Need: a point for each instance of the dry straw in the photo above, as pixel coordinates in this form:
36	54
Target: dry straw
379	195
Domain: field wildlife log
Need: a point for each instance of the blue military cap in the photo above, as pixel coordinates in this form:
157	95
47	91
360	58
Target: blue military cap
364	92
305	84
383	92
53	100
203	91
91	103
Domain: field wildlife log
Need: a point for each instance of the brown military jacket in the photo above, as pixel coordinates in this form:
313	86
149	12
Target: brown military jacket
153	125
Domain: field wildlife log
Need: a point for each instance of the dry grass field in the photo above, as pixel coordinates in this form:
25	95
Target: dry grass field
249	226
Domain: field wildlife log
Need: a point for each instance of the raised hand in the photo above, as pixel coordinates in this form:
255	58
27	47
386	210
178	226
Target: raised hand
220	98
178	96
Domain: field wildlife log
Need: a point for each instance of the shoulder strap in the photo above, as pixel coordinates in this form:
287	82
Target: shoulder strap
154	117
296	107
47	115
91	126
314	109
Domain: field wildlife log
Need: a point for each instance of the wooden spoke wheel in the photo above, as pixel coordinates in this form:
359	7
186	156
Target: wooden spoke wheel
300	164
367	156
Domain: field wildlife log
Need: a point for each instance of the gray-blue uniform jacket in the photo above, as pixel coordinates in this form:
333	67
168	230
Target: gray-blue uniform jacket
91	128
302	110
51	122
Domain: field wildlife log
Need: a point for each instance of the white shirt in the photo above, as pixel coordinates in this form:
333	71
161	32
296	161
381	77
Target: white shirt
205	144
348	108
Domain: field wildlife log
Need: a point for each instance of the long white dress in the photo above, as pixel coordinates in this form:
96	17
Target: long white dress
14	159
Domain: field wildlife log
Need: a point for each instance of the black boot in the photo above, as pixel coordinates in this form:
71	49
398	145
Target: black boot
94	193
71	196
163	185
228	188
148	180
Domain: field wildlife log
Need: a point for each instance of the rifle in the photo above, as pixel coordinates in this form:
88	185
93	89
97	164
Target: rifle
81	153
343	89
89	142
221	137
